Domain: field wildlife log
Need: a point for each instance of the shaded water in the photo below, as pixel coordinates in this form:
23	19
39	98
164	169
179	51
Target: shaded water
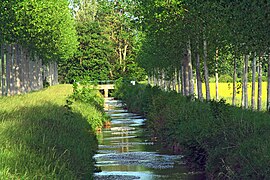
124	154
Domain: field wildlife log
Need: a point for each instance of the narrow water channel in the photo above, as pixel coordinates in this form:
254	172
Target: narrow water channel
124	154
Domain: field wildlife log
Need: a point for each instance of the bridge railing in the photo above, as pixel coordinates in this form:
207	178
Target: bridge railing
102	82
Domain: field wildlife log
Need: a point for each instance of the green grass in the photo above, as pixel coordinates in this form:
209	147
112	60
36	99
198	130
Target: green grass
41	138
226	141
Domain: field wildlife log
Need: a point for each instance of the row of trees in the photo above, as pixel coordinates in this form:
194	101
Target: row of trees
39	29
19	73
225	37
108	42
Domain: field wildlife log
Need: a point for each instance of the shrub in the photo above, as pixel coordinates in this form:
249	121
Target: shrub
226	141
225	78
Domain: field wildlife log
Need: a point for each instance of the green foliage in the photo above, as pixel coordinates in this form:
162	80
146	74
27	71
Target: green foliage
86	94
225	78
228	26
41	138
89	102
45	27
108	43
228	142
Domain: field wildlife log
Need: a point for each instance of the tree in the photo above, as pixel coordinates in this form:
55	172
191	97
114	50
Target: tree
44	27
108	43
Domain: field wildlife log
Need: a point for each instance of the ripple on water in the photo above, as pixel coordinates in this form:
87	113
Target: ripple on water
120	137
123	129
116	157
147	159
122	115
128	121
119	175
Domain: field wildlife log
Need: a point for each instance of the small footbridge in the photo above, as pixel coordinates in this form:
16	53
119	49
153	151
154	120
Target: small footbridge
105	87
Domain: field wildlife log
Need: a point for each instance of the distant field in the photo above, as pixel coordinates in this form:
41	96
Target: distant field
226	91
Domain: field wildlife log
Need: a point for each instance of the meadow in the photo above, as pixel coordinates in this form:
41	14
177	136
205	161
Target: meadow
47	135
226	91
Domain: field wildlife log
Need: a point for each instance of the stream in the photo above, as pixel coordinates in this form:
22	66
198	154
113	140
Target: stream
124	154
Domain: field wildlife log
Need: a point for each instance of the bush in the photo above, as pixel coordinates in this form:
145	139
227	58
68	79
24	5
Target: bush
89	103
226	141
225	78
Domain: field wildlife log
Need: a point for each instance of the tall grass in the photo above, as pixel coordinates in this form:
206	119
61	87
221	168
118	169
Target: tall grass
43	138
226	141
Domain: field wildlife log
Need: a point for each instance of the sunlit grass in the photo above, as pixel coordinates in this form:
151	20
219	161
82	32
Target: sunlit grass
226	92
40	138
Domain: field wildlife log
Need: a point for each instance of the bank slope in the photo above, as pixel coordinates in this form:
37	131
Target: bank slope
43	138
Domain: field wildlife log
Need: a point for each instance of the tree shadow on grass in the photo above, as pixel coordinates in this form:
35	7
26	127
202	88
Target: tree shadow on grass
47	141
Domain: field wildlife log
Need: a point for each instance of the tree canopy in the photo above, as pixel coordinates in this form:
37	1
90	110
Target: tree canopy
45	27
108	42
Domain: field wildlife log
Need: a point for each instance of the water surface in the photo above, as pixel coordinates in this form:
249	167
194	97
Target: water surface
125	154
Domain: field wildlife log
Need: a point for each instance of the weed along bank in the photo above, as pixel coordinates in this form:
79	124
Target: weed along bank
222	140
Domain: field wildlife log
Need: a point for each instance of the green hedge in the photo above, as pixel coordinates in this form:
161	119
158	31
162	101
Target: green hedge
226	141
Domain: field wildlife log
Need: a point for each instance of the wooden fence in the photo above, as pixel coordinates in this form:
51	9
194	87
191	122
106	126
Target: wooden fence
22	72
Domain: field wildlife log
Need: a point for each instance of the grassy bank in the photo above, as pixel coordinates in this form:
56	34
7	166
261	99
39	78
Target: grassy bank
43	137
227	142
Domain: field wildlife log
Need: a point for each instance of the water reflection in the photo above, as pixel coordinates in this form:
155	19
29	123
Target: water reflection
124	154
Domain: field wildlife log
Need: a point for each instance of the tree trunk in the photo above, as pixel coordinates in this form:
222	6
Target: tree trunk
244	84
175	77
190	70
259	106
216	74
186	76
198	75
8	69
3	74
206	74
155	78
24	70
183	82
120	56
56	73
179	81
234	81
268	85
40	74
36	73
164	85
31	74
17	69
253	82
124	57
12	69
27	69
148	79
